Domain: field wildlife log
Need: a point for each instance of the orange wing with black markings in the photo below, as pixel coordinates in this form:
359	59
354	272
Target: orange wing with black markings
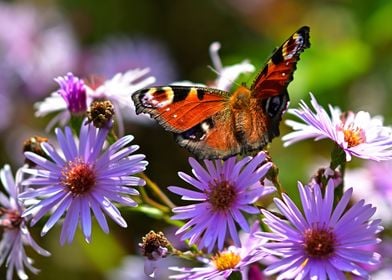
212	123
179	108
279	69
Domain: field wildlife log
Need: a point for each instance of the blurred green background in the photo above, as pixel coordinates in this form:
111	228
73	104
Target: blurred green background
348	65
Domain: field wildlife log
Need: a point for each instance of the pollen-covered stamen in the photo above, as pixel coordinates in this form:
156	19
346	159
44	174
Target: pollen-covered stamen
319	243
10	218
155	245
100	113
226	260
78	176
221	195
354	136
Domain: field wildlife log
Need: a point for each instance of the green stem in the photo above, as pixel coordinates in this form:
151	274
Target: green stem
154	187
272	175
338	159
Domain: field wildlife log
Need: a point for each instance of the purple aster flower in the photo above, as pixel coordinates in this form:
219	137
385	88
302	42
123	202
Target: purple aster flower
70	98
73	91
223	264
322	241
117	90
83	176
15	232
358	134
224	190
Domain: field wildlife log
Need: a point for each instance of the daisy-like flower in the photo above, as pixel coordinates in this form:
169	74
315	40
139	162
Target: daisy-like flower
83	176
15	232
119	89
322	242
224	190
75	95
359	134
223	264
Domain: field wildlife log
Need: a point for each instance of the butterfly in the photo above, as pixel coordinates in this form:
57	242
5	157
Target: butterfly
212	123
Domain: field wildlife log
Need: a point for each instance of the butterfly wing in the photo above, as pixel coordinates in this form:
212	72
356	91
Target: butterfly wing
198	117
212	123
279	69
179	108
270	86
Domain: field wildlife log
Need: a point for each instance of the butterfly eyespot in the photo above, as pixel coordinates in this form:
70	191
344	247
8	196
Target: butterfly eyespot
199	131
273	105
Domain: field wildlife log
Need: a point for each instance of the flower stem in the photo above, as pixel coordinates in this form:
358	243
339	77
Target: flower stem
338	159
154	187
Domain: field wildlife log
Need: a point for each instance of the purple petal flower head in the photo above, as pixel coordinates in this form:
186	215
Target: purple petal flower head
83	176
15	232
73	91
322	242
154	247
358	134
224	263
117	90
224	190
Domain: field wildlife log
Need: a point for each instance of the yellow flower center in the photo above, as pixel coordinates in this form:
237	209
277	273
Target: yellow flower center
226	260
354	136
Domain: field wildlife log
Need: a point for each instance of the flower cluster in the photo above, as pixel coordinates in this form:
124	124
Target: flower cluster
234	221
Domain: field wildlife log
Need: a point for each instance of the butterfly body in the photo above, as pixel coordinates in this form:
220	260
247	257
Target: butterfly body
212	123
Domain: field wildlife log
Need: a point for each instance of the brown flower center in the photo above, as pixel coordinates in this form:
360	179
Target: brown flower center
78	176
226	260
10	218
154	244
221	195
319	243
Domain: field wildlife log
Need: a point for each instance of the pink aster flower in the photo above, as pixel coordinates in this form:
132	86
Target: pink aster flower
36	42
223	192
16	235
83	177
322	241
228	261
358	134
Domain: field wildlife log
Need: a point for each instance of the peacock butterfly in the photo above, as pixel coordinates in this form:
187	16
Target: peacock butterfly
212	123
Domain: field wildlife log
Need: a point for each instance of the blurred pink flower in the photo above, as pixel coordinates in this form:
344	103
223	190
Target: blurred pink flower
35	45
118	54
